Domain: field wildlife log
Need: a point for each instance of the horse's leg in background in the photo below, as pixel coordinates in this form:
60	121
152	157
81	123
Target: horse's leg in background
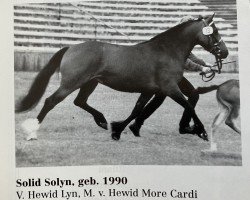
81	101
188	90
230	120
118	127
219	119
145	113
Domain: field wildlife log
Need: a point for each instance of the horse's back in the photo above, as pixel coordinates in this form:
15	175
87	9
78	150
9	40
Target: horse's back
80	55
96	53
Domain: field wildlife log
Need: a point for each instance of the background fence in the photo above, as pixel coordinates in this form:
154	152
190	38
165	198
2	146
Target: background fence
42	29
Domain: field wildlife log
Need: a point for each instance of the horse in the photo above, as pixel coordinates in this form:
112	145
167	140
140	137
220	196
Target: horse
152	68
228	98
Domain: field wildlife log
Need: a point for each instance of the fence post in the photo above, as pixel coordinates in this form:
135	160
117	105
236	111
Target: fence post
95	30
60	45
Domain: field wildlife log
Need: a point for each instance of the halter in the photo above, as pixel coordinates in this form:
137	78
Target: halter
215	50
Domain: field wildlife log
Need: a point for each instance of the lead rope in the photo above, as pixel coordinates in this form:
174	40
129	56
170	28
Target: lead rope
211	76
208	77
219	64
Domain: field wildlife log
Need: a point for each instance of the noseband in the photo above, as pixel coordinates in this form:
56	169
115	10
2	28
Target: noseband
215	50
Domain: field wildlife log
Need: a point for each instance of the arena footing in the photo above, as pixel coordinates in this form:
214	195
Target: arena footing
220	154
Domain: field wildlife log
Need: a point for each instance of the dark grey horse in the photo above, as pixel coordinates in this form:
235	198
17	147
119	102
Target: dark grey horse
152	68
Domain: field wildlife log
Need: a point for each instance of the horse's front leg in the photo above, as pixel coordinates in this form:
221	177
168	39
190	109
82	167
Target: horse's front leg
118	127
147	111
188	90
175	94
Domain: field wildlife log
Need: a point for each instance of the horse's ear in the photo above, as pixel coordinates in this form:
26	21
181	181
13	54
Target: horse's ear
200	17
210	18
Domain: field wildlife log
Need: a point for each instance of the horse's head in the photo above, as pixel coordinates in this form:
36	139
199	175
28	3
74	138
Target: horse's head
210	39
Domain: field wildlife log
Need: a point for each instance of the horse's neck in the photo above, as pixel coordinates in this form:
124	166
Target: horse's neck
181	43
184	46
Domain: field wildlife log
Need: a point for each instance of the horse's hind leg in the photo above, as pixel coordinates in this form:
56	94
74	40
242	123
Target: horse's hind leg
81	101
118	127
52	101
230	121
32	125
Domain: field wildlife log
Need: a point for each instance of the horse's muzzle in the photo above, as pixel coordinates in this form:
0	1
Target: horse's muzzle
223	54
218	52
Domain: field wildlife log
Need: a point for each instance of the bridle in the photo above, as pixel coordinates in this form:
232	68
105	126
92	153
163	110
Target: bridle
215	50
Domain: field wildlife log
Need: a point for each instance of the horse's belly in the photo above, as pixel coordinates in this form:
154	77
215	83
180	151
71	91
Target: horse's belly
133	89
126	85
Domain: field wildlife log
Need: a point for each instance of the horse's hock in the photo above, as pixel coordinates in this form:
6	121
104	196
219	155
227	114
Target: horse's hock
41	29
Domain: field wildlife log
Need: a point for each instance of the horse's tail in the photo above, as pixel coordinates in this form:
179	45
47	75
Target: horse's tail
203	90
40	83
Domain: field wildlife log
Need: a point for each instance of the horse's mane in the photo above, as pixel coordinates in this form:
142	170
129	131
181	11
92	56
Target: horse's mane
172	30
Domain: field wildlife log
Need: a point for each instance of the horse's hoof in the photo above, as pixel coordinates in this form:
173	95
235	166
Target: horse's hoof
201	132
30	127
115	136
135	130
186	130
32	136
203	135
104	126
117	127
101	122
